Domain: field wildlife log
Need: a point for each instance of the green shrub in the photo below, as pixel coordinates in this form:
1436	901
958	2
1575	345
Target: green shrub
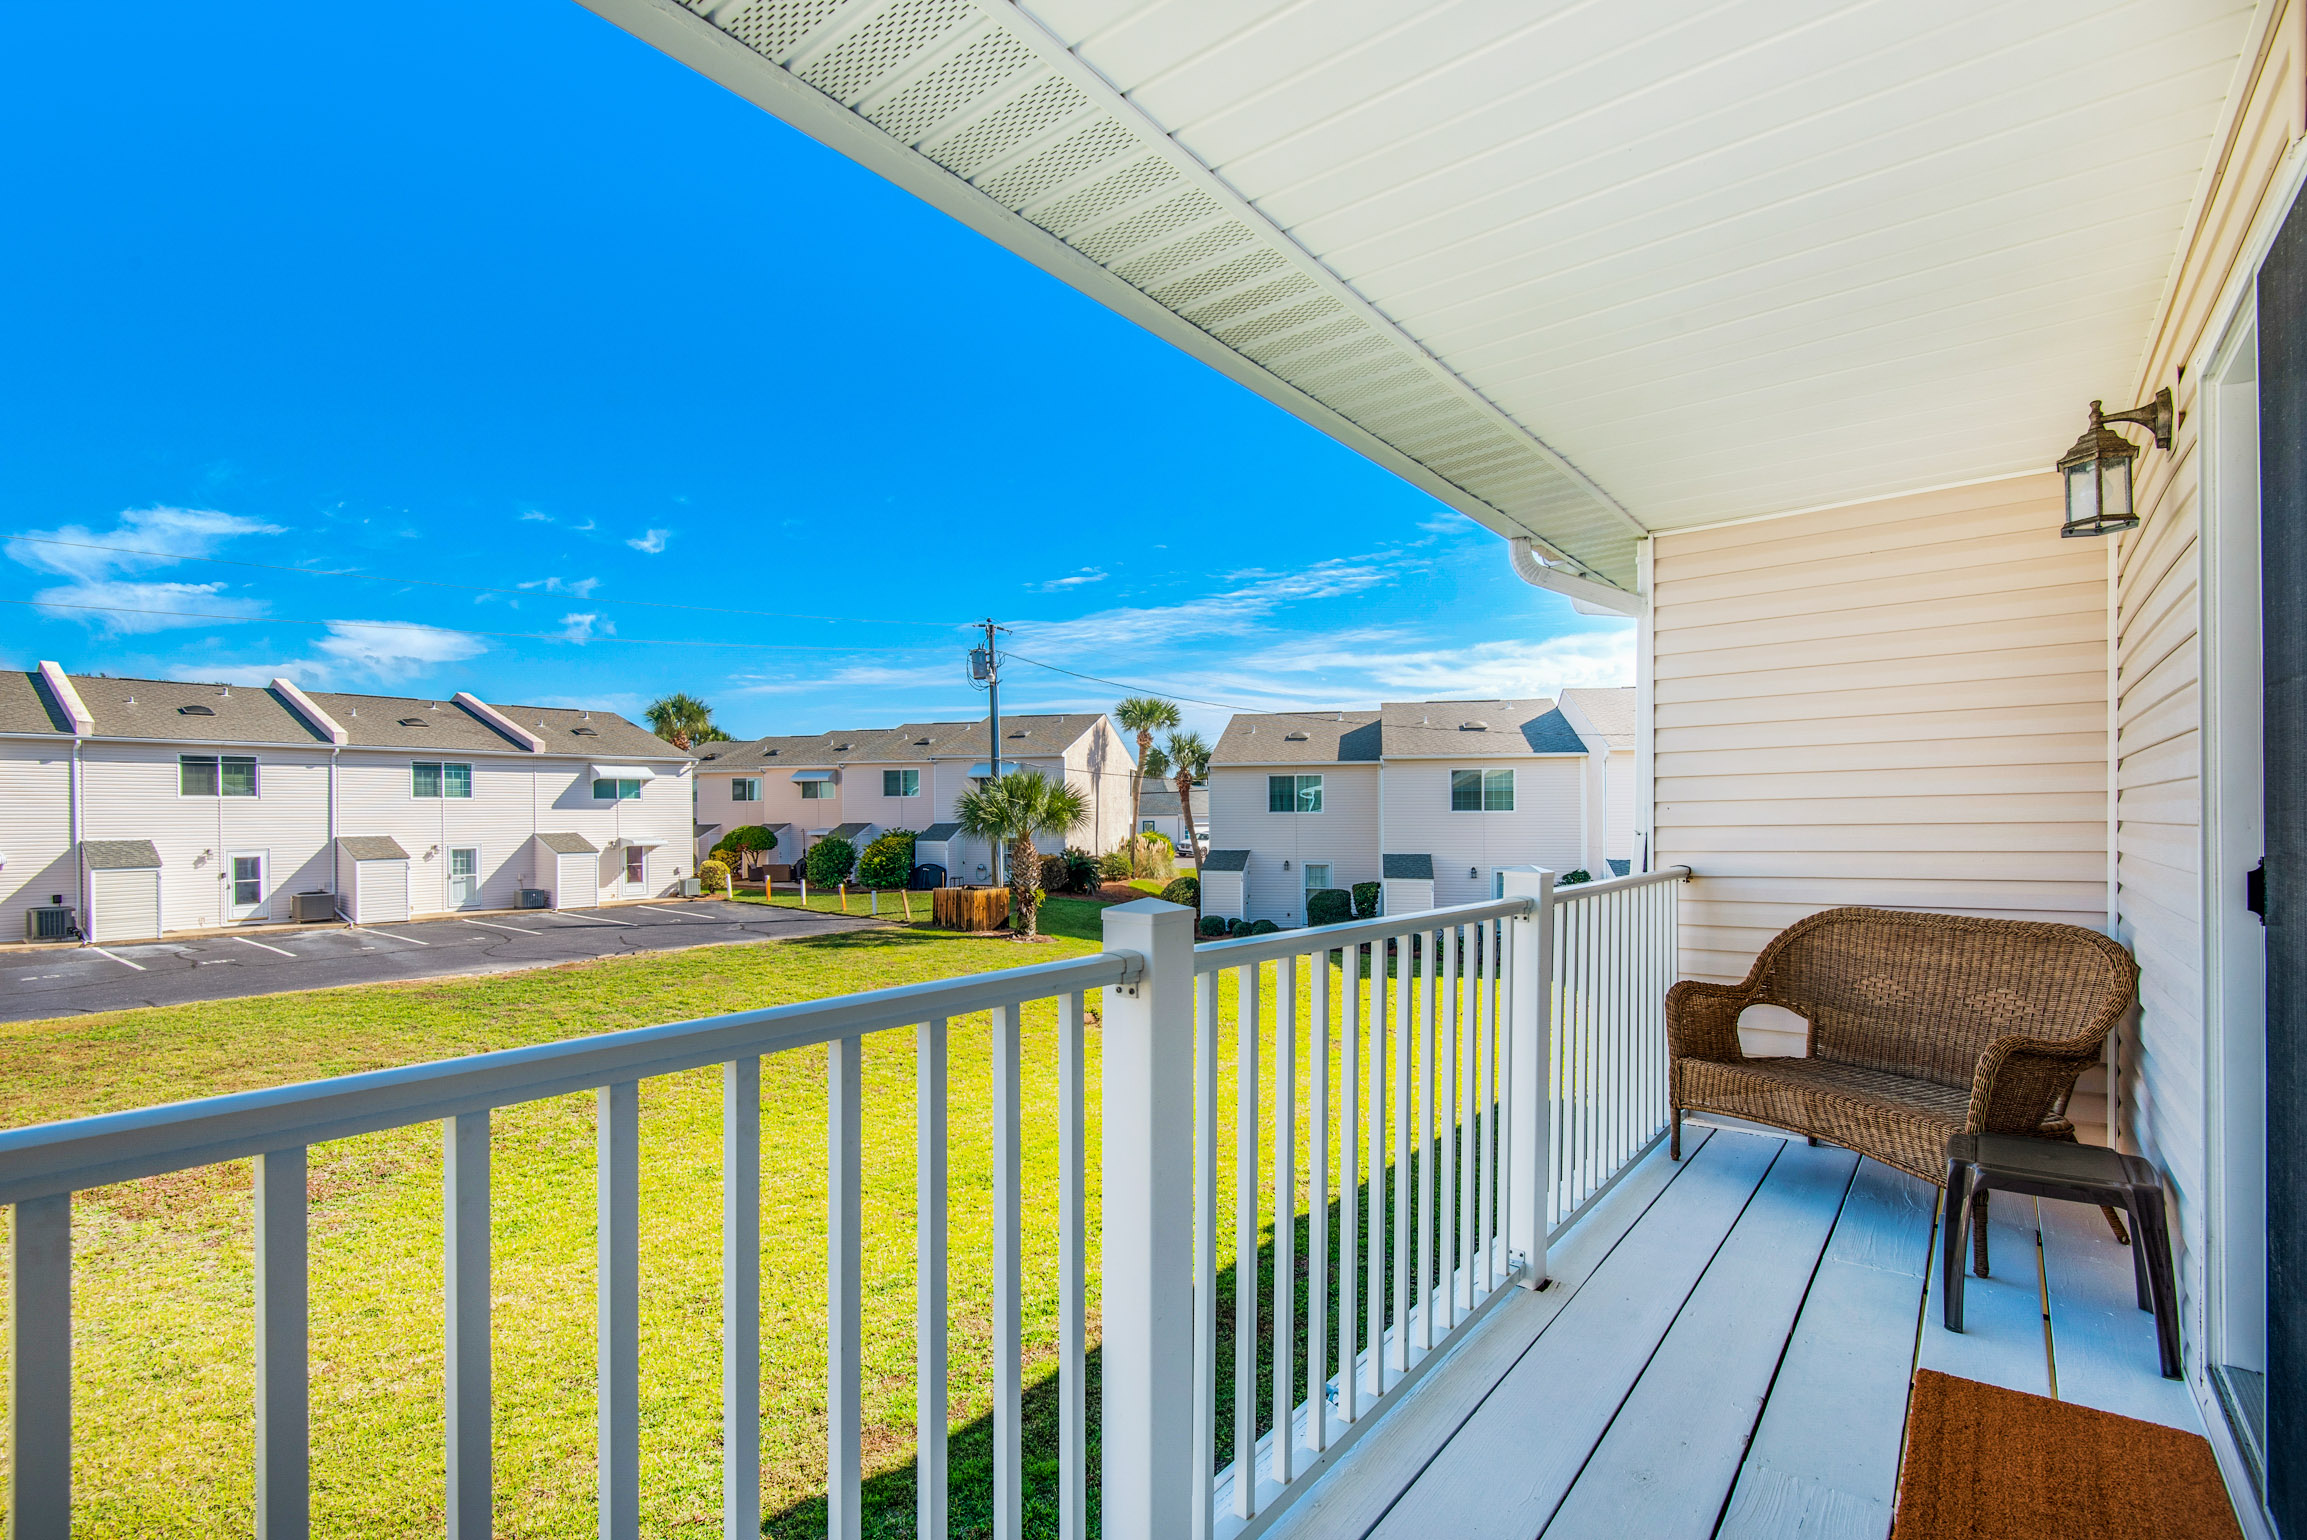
830	861
712	877
1184	890
888	861
1212	925
1573	877
1329	906
1113	866
1237	927
1261	928
1366	900
1071	871
1054	873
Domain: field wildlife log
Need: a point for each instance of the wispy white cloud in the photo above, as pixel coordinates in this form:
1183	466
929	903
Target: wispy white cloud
651	541
578	628
579	588
388	650
533	516
173	532
120	608
1078	579
1251	599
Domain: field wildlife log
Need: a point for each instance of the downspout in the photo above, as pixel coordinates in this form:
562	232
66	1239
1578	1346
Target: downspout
334	894
1586	595
79	856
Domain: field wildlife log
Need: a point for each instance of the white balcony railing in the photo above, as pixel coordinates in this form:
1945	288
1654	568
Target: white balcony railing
1450	1155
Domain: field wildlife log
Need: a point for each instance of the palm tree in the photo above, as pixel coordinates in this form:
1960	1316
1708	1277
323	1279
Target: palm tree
683	721
1011	811
1190	758
1144	715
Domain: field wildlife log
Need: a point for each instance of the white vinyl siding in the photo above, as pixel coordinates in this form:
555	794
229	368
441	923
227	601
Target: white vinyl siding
1544	828
123	905
1343	836
429	778
35	832
1901	704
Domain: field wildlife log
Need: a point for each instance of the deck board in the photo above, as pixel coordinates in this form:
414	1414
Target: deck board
2102	1343
2001	1341
1825	1457
1512	1463
1369	1478
1674	1448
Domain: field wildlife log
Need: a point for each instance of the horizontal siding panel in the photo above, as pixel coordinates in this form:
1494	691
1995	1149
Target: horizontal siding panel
1860	700
1895	649
1971	895
1948	674
1946	552
1972	590
1820	751
1900	617
1879	812
1908	729
1968	780
1705	841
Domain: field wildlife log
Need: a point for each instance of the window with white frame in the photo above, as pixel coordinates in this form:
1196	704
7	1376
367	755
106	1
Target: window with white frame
1481	791
429	779
616	791
901	783
1293	793
745	788
216	775
816	791
1317	876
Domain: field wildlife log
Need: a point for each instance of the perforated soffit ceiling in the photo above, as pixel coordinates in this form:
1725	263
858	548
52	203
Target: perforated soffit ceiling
1886	203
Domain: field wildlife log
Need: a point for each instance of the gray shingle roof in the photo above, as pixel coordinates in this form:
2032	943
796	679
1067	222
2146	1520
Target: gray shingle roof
26	708
443	726
939	831
1226	861
373	847
704	829
1298	738
1408	867
164	710
848	831
1611	711
1477	729
569	844
120	855
1159	799
914	743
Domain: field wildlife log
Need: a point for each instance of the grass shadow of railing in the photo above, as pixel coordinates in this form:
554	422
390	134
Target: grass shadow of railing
888	1500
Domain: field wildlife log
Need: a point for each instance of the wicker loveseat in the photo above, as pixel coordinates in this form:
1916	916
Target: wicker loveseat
1921	1026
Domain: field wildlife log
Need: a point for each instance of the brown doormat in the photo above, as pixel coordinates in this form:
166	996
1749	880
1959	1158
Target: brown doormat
1985	1463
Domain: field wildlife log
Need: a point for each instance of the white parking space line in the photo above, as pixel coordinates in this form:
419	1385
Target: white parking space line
671	914
388	935
492	925
590	919
277	951
116	957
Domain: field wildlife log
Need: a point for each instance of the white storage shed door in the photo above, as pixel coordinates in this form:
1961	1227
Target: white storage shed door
381	895
578	882
123	905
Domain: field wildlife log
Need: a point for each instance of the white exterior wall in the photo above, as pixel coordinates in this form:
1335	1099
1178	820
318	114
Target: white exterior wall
713	806
1344	833
1546	828
1618	778
1098	764
862	800
133	791
36	855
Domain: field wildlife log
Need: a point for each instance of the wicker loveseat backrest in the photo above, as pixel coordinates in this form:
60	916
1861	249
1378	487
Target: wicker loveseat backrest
1924	994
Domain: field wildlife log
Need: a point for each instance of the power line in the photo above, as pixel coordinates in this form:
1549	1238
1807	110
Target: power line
475	588
410	625
1331	717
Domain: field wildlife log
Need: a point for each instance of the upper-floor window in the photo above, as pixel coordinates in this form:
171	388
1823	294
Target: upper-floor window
745	788
1293	793
428	779
901	783
816	791
616	791
1481	791
216	775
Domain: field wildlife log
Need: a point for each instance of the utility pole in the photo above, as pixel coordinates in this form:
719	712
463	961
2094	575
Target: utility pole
985	664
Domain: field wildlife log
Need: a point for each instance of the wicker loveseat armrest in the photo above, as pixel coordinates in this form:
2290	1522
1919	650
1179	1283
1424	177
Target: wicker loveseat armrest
2023	1080
1702	1020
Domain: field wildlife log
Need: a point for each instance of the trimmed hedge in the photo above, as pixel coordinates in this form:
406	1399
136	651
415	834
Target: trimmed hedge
1366	900
712	877
1329	906
1185	890
1573	877
830	861
1113	866
1213	925
1261	928
888	861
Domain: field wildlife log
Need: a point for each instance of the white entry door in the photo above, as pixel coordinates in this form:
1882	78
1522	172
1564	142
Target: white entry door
636	870
464	876
244	884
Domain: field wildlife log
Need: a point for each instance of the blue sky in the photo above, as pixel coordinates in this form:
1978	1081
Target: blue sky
557	354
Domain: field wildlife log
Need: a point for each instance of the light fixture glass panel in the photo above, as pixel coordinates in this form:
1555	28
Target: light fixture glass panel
2082	493
2115	488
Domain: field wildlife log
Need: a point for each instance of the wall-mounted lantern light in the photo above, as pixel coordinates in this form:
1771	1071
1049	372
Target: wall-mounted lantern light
2097	471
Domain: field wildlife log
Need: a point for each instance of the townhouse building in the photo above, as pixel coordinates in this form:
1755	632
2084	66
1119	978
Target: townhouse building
858	783
1427	798
146	806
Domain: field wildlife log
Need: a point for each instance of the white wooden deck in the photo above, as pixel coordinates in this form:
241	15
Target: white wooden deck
1725	1349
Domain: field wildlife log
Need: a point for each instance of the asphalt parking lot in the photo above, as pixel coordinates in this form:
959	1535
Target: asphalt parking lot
61	980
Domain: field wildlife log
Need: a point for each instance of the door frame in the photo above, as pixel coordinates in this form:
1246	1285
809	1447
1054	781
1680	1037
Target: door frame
2235	1256
449	877
232	906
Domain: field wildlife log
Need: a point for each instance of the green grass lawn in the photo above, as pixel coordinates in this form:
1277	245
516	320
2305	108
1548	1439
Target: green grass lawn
163	1290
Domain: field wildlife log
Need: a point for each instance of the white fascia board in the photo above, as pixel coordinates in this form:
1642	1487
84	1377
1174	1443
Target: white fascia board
304	706
60	689
499	721
683	35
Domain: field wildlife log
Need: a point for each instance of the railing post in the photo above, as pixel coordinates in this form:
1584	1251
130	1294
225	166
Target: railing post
1529	1057
1148	1489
